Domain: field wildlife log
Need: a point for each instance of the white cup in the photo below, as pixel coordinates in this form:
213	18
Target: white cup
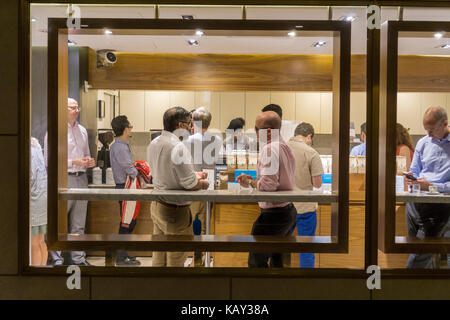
432	189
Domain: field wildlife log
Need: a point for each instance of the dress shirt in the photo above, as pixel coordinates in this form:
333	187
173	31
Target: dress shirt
77	147
205	149
121	161
431	161
38	186
359	150
171	165
280	179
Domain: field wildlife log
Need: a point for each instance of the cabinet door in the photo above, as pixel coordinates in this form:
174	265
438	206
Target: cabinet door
254	102
286	100
358	109
429	99
185	99
409	111
210	100
156	103
448	104
132	106
232	105
307	109
326	112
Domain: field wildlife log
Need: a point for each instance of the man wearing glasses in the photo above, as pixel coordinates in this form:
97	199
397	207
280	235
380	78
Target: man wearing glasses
79	159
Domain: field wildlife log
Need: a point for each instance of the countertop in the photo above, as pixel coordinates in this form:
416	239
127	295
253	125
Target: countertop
423	197
250	195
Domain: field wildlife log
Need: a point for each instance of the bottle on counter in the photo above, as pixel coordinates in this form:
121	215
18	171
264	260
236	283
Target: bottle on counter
109	177
97	176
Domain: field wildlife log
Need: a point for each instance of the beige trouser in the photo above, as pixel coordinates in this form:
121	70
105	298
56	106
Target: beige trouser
170	221
200	208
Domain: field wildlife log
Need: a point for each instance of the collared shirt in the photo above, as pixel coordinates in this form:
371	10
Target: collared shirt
121	161
276	170
205	149
359	150
77	146
171	165
307	165
431	161
38	186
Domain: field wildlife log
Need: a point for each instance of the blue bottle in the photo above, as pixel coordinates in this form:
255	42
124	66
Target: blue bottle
197	226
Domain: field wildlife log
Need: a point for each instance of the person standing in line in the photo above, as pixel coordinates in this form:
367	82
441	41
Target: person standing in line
276	172
308	174
360	150
122	166
430	166
38	205
171	168
79	159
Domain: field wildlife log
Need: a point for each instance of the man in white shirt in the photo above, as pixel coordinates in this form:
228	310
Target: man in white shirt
79	158
171	169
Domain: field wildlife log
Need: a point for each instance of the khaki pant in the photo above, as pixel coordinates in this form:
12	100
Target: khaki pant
170	221
200	208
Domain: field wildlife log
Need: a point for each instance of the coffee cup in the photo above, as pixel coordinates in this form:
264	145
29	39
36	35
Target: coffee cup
432	189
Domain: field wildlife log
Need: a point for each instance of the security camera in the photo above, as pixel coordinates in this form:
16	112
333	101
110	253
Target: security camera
106	58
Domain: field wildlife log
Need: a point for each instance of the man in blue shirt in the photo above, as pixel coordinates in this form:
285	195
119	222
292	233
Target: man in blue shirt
122	166
360	150
431	166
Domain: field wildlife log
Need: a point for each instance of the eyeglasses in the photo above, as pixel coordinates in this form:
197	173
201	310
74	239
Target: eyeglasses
189	123
74	108
130	126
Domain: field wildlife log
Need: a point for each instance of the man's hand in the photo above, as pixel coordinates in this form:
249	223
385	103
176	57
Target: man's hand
204	184
244	180
201	175
91	162
409	181
424	184
84	162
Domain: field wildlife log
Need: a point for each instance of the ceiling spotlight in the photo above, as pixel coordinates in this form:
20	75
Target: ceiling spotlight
291	34
108	32
33	19
199	33
445	46
298	27
187	17
318	44
438	35
348	18
193	42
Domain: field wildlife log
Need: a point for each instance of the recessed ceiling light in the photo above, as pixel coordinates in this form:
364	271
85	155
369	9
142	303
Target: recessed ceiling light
318	44
298	27
33	19
199	33
444	46
438	35
348	18
187	17
291	34
108	32
193	42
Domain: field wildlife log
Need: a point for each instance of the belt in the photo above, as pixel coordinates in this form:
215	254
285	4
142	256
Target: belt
77	174
173	205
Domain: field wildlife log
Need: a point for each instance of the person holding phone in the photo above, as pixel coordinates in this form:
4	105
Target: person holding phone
430	166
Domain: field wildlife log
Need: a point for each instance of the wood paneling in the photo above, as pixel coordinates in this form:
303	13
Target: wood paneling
215	72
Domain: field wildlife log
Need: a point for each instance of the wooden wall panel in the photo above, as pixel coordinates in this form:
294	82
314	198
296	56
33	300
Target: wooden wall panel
257	72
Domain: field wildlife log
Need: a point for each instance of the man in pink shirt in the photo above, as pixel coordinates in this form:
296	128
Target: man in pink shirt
276	172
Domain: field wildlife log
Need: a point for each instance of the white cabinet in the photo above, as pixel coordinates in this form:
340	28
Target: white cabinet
307	109
409	112
254	102
232	105
286	100
358	109
211	101
132	106
185	99
156	103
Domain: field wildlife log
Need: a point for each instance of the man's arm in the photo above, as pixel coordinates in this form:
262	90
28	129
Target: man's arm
125	162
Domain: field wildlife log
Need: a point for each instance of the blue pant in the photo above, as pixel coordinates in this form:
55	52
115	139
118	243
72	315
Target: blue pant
306	226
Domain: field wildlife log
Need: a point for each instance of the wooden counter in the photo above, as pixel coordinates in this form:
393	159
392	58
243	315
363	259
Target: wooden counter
238	218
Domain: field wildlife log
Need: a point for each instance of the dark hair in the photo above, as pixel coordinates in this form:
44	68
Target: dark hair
275	108
119	124
364	128
235	124
304	129
173	116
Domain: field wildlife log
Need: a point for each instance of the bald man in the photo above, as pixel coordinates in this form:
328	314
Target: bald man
79	158
431	166
276	172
